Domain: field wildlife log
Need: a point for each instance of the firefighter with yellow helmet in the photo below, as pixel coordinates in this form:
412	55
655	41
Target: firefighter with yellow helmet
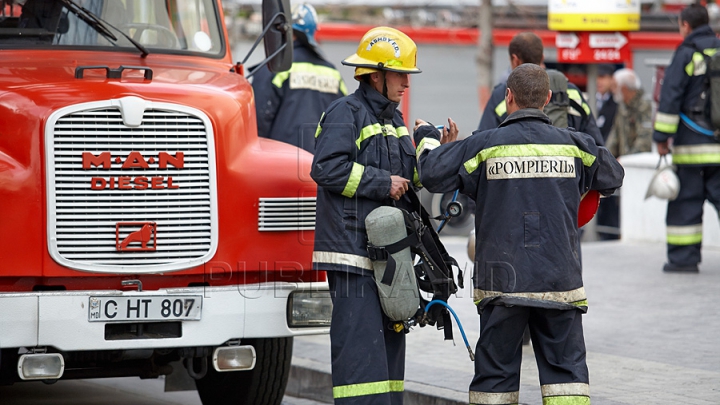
364	158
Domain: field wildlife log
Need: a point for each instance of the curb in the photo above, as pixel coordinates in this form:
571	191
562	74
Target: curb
311	379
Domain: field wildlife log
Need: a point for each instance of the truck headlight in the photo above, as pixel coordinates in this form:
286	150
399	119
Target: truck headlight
41	366
312	308
233	358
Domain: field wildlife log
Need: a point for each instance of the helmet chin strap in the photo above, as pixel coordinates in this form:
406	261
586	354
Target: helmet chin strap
385	89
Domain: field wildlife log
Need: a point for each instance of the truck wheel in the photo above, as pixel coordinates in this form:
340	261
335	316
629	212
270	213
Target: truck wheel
263	385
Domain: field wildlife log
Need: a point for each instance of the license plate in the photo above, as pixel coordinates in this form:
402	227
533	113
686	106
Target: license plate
145	308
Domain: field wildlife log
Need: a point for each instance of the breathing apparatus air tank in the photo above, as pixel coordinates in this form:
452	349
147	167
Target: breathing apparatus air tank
394	273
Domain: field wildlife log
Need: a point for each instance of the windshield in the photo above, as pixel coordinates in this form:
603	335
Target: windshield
161	26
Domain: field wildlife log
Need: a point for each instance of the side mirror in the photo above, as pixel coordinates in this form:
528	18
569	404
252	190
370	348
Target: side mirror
278	39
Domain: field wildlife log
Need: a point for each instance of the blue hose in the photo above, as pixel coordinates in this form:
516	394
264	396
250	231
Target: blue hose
462	331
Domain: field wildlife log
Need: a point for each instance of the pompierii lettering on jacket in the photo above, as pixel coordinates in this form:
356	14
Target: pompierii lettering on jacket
530	167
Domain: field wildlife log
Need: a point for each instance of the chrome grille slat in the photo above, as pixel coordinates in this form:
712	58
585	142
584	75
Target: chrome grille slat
85	223
286	214
179	237
105	231
112	223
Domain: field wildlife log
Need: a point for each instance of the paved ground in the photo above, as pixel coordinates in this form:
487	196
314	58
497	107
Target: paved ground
110	391
652	338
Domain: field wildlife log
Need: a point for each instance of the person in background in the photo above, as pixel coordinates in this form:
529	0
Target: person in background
527	178
289	104
682	117
632	130
527	47
631	133
605	103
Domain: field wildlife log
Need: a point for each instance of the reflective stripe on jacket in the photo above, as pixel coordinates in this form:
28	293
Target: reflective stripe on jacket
289	104
683	85
527	178
361	141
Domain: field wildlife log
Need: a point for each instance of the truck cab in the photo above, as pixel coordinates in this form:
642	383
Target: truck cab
145	229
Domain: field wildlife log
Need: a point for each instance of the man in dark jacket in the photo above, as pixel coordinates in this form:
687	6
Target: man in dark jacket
289	104
527	178
527	47
605	102
682	115
364	159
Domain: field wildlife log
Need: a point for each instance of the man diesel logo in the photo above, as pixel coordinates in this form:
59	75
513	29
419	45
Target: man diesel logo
530	167
134	160
141	236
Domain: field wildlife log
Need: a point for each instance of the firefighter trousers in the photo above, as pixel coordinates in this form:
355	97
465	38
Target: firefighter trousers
557	339
368	359
684	214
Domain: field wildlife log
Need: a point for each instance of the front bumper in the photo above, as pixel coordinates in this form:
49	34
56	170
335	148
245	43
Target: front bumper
60	318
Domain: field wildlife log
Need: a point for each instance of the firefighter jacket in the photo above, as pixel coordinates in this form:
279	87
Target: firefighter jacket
361	141
632	130
289	104
495	112
527	178
683	85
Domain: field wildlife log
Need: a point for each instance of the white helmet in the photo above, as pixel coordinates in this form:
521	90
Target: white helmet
664	184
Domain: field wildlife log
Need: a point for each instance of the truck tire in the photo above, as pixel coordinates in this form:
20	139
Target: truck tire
263	385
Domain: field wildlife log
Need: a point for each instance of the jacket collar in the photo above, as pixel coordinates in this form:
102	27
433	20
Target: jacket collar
380	106
701	31
526	113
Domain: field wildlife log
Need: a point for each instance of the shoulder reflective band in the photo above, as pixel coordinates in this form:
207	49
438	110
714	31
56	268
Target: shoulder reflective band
368	132
695	127
501	109
575	96
575	297
566	394
697	65
372	388
494	398
376	129
305	75
528	150
666	123
426	144
345	259
354	180
706	153
684	235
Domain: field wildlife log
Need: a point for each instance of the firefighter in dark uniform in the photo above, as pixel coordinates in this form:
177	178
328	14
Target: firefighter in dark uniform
364	158
527	47
682	117
289	104
527	178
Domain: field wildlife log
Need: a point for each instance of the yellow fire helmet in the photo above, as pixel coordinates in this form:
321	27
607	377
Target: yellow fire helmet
384	48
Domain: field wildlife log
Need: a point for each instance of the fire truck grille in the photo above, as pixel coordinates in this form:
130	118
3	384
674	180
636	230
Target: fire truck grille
287	214
131	198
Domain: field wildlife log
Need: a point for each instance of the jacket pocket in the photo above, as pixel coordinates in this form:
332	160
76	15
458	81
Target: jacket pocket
532	229
408	158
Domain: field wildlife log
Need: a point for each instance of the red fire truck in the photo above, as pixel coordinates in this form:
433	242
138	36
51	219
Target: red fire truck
145	229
